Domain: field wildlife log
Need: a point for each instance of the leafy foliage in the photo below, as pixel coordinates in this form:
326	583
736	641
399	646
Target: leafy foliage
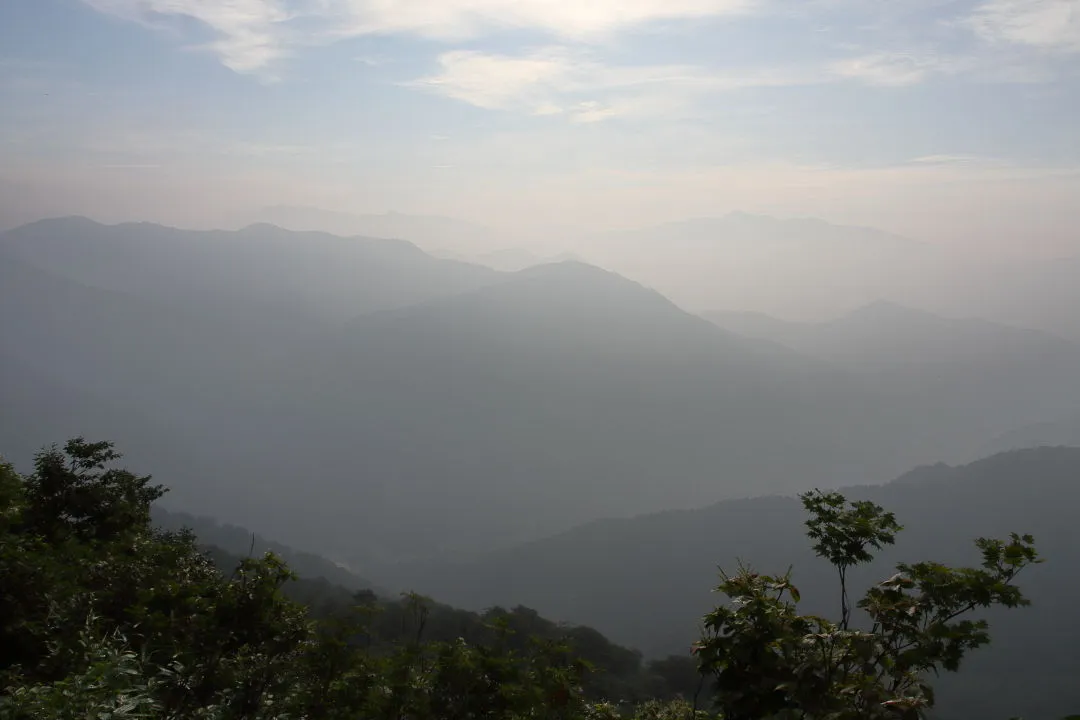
768	661
103	616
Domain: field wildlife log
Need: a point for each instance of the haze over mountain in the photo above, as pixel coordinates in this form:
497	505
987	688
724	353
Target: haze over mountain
362	382
806	269
1058	431
990	378
301	276
435	234
803	269
527	404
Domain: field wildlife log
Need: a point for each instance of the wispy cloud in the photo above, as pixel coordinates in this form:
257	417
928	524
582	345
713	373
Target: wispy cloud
253	34
957	160
561	81
372	60
897	69
1045	24
462	19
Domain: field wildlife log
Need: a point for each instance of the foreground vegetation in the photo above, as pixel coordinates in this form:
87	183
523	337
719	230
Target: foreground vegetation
103	616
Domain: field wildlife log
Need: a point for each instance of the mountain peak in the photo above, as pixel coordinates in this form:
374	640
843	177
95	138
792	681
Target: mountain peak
68	223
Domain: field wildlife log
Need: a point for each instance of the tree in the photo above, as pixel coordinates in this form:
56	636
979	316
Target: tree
101	615
768	661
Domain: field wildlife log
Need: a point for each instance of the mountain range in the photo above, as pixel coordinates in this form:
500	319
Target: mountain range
364	399
810	270
796	268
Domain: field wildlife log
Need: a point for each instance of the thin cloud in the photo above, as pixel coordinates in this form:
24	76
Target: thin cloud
372	60
561	81
896	69
251	34
963	160
254	34
1052	25
466	19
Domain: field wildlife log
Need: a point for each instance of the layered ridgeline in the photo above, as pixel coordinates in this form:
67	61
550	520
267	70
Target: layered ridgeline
362	399
494	407
645	581
809	269
258	272
979	377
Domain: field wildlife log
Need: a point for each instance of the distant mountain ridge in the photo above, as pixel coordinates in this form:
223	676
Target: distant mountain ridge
370	402
805	266
258	270
808	270
492	408
988	377
436	234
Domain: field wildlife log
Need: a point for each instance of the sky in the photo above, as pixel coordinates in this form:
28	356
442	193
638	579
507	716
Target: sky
949	121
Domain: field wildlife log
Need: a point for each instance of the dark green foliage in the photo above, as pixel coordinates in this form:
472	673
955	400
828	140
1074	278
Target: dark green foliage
768	661
102	615
640	581
844	533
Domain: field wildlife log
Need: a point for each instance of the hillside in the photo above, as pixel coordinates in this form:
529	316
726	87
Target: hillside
645	581
260	273
240	542
87	568
565	394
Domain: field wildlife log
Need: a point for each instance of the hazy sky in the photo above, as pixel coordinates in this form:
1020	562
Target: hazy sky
957	121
